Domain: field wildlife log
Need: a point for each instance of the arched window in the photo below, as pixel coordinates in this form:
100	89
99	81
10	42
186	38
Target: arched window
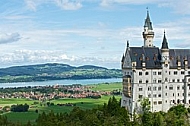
178	101
149	88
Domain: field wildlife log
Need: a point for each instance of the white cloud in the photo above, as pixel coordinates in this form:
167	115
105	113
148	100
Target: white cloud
68	4
112	2
183	45
8	38
27	57
64	4
16	17
31	4
179	6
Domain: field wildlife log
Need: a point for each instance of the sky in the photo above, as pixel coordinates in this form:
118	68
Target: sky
86	32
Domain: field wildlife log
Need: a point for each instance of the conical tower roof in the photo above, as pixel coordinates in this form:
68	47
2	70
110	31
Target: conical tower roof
164	43
148	23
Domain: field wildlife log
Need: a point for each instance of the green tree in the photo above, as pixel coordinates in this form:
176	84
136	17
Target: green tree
145	105
179	110
146	116
158	119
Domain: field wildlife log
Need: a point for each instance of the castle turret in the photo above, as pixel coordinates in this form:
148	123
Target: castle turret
165	52
148	33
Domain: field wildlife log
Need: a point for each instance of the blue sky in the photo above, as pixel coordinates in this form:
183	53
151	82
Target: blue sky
79	32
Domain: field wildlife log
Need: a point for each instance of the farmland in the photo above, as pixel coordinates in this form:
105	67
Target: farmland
37	107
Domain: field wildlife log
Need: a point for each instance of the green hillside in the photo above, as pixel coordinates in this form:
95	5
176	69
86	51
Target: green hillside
55	71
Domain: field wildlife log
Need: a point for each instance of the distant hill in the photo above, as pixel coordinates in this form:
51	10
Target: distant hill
55	71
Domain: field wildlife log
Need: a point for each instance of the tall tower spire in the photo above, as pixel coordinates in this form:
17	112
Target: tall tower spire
164	43
165	51
148	33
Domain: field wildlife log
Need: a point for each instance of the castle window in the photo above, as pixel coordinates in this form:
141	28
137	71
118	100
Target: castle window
125	80
159	102
166	94
154	73
154	95
178	87
182	87
169	72
159	73
140	73
177	94
159	81
159	95
159	88
140	89
178	80
154	81
188	94
173	94
140	96
188	72
149	88
170	87
182	80
173	80
178	101
155	102
140	81
175	72
182	72
154	88
146	81
149	95
146	73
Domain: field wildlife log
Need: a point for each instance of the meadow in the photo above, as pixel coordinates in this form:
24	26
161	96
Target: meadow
83	103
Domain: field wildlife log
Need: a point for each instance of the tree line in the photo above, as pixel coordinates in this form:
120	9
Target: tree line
110	114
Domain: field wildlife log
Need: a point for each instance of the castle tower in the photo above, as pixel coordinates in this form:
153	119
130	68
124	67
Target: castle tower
148	33
165	61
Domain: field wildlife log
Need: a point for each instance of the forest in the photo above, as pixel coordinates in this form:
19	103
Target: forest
110	114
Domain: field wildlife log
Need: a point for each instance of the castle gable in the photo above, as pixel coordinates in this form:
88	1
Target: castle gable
127	60
151	56
179	55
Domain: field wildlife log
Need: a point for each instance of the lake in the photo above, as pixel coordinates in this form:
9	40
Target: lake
60	82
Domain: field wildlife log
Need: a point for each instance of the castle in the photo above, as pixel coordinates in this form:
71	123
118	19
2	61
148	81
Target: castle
160	74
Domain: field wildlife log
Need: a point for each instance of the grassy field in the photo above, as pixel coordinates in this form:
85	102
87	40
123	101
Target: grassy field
85	103
11	101
107	86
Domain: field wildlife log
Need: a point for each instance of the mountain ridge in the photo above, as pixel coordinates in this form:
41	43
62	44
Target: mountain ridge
55	71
